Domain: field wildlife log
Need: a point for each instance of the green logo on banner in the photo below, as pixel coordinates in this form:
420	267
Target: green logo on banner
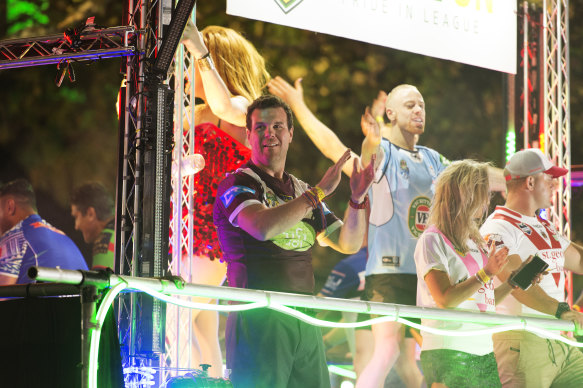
287	5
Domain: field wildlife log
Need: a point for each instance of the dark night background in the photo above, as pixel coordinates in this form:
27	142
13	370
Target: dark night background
60	137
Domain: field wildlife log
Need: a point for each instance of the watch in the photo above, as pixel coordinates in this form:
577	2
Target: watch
561	308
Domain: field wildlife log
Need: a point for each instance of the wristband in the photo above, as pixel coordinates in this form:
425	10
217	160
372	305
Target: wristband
362	205
312	198
205	63
319	193
380	119
576	308
562	308
482	277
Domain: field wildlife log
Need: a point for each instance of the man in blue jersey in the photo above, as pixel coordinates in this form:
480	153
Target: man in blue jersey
267	222
400	201
27	240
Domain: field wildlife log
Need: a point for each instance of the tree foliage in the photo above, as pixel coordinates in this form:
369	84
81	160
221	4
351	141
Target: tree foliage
59	137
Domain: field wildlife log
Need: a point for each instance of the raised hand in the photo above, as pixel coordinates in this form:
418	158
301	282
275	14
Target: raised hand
370	127
377	107
292	95
361	179
331	178
497	259
192	39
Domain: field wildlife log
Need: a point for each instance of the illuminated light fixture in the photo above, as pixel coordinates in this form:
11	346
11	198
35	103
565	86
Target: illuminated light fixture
191	164
342	372
166	53
510	144
347	384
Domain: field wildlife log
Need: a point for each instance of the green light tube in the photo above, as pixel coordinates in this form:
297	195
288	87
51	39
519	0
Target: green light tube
279	301
96	332
342	372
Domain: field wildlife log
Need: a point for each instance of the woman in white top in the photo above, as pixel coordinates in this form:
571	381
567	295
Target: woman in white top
455	271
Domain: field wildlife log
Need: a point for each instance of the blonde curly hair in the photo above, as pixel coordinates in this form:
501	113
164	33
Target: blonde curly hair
237	61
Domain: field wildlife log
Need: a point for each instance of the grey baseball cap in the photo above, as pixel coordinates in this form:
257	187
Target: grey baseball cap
530	162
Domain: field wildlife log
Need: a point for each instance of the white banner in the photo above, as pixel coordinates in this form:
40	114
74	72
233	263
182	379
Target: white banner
475	32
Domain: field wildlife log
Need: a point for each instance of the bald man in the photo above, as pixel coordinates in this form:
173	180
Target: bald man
400	201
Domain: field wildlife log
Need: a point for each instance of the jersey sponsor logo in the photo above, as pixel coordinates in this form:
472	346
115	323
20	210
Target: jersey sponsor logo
229	195
404	168
299	238
333	282
39	224
391	261
494	238
418	215
525	228
271	199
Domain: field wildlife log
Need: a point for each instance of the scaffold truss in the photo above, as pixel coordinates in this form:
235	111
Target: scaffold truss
90	45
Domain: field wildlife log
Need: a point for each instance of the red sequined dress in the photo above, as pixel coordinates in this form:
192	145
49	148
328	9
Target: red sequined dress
222	154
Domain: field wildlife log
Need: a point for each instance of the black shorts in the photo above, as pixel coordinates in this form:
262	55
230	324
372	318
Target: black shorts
391	288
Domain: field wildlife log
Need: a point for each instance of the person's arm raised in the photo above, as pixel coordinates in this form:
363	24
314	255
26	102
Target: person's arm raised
217	95
372	142
323	137
348	239
264	223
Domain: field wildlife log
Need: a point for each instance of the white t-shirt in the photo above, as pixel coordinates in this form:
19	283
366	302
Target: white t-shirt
435	252
525	236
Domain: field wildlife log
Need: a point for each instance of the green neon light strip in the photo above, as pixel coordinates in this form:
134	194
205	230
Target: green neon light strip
319	322
96	333
201	306
342	372
278	300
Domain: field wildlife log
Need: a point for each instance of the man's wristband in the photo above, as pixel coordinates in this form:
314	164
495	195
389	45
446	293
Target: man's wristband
319	192
562	308
361	205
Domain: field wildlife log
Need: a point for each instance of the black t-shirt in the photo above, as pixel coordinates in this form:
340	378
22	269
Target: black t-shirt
283	263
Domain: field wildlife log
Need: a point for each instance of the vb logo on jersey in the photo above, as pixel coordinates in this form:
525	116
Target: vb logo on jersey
287	5
418	215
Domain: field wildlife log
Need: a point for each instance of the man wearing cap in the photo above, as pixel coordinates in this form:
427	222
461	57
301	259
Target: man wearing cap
525	359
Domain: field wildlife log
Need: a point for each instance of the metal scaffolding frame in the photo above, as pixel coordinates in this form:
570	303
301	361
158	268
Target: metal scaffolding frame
557	110
91	45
